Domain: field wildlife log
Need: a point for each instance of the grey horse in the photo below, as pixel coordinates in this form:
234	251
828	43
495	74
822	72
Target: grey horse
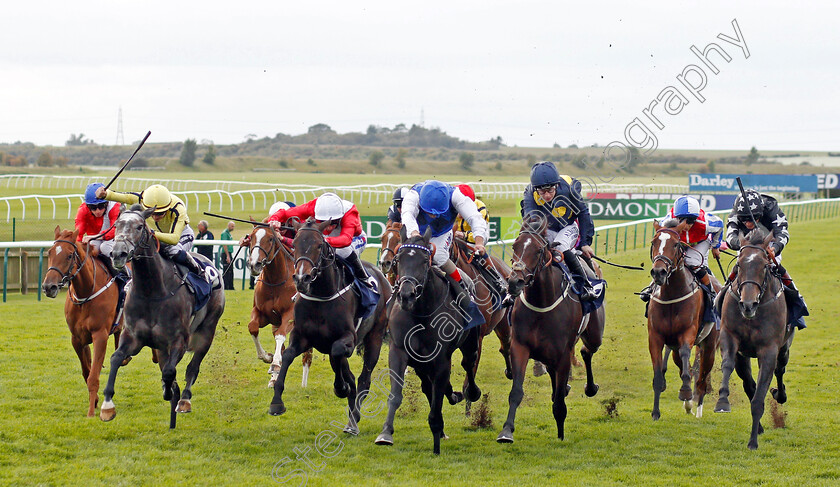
159	313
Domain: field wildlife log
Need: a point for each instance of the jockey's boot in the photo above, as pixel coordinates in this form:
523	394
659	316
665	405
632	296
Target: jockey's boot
185	259
359	270
703	277
645	293
572	261
792	296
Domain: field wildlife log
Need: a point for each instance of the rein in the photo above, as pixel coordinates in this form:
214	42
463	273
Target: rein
66	278
762	287
266	261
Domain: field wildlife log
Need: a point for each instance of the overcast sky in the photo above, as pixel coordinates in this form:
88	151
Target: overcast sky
534	73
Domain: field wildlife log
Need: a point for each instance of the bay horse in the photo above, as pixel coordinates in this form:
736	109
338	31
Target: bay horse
493	319
753	324
159	313
325	319
390	241
546	322
426	326
90	307
674	320
273	263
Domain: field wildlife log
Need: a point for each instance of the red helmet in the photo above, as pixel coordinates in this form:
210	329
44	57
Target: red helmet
467	191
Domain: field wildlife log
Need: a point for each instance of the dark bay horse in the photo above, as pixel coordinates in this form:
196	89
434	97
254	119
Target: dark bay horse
753	324
325	319
273	263
90	307
493	319
546	322
390	241
426	326
674	320
159	313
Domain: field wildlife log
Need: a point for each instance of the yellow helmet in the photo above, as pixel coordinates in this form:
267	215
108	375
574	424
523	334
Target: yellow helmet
156	196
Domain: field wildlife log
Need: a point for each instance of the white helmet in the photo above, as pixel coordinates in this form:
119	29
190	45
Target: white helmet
329	206
277	206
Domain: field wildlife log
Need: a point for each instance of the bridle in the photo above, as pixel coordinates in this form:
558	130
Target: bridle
275	241
670	265
544	261
762	287
77	261
326	257
417	286
143	244
388	266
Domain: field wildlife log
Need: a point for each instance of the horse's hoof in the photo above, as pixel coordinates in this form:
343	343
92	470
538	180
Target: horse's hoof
655	415
273	369
351	430
508	374
685	394
699	413
472	393
384	439
343	392
107	414
443	436
723	406
184	406
568	389
276	409
505	437
455	398
779	395
126	361
268	358
591	391
272	381
753	445
687	405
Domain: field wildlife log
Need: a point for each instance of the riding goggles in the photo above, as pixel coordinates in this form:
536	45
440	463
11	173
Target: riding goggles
98	206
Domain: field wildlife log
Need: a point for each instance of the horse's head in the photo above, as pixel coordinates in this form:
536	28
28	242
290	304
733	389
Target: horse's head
531	252
666	252
63	260
753	270
413	260
390	242
264	246
312	253
130	234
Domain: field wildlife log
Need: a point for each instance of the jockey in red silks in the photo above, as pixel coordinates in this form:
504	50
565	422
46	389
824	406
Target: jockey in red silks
94	217
344	233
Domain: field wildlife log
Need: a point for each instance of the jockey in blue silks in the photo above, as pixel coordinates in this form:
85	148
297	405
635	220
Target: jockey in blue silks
433	204
557	199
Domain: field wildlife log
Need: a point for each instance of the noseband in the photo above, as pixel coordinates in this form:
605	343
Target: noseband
670	265
326	257
77	261
762	286
382	263
519	266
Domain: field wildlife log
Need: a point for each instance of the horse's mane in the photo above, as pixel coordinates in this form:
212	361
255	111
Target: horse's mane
756	236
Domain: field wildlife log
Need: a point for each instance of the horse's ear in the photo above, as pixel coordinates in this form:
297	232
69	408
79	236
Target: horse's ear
147	213
57	231
427	235
75	235
742	239
403	234
768	239
324	224
295	223
656	225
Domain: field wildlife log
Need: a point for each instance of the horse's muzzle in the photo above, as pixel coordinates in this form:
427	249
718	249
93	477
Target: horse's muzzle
256	268
659	275
303	282
748	308
515	285
50	289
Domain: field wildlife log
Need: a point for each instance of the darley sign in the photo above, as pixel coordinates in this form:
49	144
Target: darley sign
771	183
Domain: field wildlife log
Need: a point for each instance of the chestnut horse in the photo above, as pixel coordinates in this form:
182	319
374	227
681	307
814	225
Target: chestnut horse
273	263
674	319
390	241
753	325
546	322
90	307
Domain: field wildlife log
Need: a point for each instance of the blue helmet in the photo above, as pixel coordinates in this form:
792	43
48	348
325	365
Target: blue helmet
435	197
544	174
90	194
686	206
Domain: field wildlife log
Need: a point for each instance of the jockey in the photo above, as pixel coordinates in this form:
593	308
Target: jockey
395	210
462	228
433	204
344	233
557	199
169	221
766	212
94	217
700	230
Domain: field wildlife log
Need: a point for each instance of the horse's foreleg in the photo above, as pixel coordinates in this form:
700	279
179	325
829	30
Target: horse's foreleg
591	387
100	343
561	375
470	351
373	345
296	346
728	353
592	339
341	349
83	352
655	345
129	346
503	332
171	391
685	375
779	393
200	346
466	384
519	355
438	386
766	365
744	371
279	341
397	362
